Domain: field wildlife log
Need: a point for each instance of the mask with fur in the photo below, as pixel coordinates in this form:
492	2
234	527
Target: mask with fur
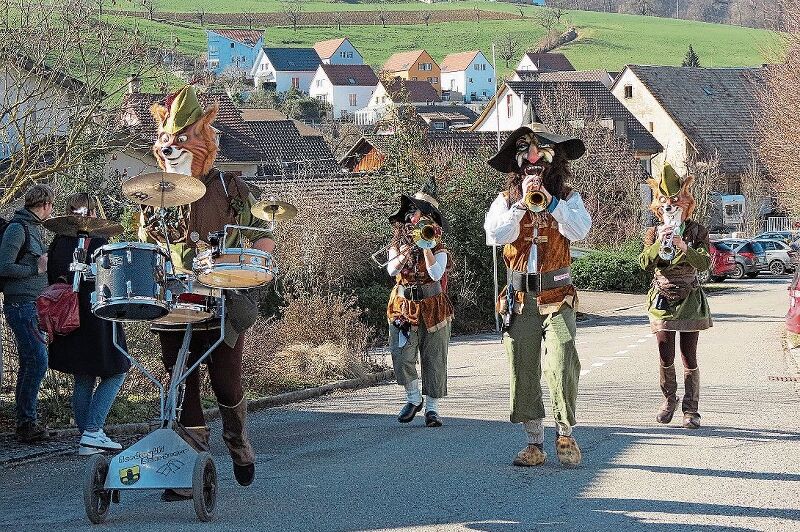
672	209
193	150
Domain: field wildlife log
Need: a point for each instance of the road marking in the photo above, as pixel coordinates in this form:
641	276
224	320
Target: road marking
598	364
632	346
621	352
584	372
642	340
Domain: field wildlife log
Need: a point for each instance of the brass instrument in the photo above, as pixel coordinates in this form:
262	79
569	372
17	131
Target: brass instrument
536	201
425	234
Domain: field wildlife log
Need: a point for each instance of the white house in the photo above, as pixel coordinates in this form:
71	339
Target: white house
281	69
393	92
338	52
346	88
469	76
696	113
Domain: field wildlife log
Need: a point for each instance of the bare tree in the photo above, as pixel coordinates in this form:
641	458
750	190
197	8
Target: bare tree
61	85
382	17
293	12
250	18
426	17
200	14
508	47
338	19
150	7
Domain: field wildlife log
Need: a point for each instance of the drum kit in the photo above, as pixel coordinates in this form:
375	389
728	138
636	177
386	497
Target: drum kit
137	282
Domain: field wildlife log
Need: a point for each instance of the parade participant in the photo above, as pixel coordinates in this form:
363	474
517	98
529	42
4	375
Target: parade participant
419	312
88	352
187	144
23	271
675	251
536	218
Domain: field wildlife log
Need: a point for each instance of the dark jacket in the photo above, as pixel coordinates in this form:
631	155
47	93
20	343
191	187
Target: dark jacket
24	283
89	350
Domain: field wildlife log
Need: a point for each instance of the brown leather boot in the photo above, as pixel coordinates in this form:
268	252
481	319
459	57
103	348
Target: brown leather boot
691	398
669	387
197	438
532	455
234	432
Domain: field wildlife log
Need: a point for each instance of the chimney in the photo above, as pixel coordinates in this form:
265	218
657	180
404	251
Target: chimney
134	83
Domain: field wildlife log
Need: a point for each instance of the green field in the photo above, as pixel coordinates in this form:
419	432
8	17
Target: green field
607	41
276	6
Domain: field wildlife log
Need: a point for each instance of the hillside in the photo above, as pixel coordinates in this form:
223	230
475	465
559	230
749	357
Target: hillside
606	40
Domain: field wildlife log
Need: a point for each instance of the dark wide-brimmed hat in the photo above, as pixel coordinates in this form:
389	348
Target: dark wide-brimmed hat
505	160
425	201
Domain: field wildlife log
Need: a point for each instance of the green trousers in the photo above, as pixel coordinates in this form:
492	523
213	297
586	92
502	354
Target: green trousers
562	368
432	348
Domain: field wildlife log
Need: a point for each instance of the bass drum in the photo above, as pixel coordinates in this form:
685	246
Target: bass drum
130	282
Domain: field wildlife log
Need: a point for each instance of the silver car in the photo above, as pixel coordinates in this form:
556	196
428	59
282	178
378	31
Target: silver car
779	258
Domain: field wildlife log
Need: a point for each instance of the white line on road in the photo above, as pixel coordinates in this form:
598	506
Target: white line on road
621	352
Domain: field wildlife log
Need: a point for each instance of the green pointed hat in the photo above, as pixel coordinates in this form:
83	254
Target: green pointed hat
184	110
670	184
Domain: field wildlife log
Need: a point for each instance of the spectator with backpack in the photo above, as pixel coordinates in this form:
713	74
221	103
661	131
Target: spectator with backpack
87	352
23	271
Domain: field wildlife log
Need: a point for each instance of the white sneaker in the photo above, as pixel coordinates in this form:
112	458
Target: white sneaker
99	440
88	451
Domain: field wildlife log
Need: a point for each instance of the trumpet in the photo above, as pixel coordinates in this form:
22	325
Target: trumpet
425	234
536	201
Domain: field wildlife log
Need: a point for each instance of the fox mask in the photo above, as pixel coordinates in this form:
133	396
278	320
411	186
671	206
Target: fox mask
192	150
664	205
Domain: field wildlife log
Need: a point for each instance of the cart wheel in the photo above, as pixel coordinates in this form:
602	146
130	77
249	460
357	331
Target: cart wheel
96	500
204	486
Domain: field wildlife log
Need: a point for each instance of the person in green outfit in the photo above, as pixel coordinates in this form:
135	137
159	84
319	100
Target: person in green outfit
675	251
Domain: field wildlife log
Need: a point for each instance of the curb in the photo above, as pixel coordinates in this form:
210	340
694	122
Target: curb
131	429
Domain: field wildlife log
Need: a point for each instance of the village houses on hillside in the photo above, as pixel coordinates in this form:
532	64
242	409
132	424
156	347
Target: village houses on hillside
416	65
468	77
338	52
346	88
282	69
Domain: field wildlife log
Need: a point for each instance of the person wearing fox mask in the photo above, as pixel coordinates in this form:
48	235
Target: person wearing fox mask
186	144
538	303
675	251
419	312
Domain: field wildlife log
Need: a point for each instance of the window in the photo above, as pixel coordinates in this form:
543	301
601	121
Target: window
650	127
414	78
470	80
353	100
477	66
213	63
430	79
342	54
438	125
490	80
426	66
349	55
319	83
233	45
628	92
296	83
436	79
510	105
483	67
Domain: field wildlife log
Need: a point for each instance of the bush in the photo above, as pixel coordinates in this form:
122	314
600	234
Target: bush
610	270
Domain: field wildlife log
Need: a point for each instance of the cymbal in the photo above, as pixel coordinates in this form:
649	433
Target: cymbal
273	210
163	189
74	225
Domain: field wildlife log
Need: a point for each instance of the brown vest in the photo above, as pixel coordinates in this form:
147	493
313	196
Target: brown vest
435	311
553	252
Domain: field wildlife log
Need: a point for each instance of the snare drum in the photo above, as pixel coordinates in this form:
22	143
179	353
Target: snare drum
130	282
191	302
240	268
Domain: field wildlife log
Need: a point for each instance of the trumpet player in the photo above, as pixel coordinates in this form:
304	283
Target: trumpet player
536	218
419	312
675	251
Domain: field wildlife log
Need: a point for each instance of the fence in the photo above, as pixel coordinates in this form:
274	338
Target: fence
781	223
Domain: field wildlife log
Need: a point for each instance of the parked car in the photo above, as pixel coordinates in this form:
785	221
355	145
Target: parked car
784	236
723	263
779	256
750	257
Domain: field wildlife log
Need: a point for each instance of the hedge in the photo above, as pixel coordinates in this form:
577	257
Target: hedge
612	270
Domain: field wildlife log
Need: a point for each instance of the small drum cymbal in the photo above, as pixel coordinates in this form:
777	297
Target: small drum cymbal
273	210
88	226
163	189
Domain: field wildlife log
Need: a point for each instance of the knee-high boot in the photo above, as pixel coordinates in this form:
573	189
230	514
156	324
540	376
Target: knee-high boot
234	432
669	387
691	398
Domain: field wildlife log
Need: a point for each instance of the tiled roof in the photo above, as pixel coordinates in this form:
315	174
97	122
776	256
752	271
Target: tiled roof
414	91
351	75
401	61
715	107
267	115
459	113
567	75
458	62
248	37
550	62
235	139
284	150
599	101
325	49
293	59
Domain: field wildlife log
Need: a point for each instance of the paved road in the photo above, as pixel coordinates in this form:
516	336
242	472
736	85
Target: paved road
344	463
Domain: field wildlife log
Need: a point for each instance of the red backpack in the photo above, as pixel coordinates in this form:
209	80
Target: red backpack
58	310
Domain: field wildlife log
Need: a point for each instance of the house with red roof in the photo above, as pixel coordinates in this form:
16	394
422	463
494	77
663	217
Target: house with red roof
345	88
